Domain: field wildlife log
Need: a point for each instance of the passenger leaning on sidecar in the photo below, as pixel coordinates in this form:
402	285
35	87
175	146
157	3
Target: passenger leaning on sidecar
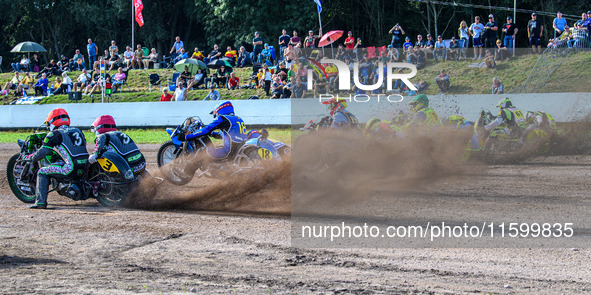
109	139
341	117
232	131
510	119
69	143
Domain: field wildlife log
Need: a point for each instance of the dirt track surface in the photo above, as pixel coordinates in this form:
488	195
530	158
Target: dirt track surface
83	248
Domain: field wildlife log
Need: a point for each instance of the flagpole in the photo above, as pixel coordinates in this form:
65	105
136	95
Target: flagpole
132	19
320	23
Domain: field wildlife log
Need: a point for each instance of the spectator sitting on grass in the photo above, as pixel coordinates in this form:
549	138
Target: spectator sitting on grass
27	82
454	49
66	83
393	54
182	55
299	89
233	81
197	54
266	55
64	63
213	55
243	57
82	80
489	60
440	49
277	88
77	61
501	52
497	86
138	57
114	62
41	85
186	76
442	81
165	95
231	53
407	44
56	88
95	84
14	84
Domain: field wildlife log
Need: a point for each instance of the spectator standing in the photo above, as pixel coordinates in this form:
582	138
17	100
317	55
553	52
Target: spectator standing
267	78
535	29
92	50
113	49
397	33
283	42
491	32
464	35
454	49
476	30
180	94
233	81
350	41
257	43
176	47
310	40
213	94
559	25
440	49
443	81
510	30
497	86
295	40
165	95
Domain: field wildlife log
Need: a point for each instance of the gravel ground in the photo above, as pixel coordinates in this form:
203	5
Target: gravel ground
83	248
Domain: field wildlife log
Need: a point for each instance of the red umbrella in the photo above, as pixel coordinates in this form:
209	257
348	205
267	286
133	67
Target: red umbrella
329	38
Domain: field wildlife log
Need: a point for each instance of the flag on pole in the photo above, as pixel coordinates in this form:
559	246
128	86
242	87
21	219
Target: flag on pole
139	18
319	5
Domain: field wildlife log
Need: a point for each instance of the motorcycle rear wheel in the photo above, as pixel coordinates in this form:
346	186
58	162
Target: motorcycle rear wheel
111	194
12	172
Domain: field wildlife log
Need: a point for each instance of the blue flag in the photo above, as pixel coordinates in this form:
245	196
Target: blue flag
319	5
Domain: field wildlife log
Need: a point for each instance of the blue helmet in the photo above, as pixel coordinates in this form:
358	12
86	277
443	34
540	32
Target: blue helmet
224	108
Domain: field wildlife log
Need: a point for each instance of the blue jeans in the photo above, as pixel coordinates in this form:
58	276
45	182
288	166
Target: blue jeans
509	43
91	60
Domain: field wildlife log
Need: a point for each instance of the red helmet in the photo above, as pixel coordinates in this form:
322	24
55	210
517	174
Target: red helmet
335	105
57	118
103	124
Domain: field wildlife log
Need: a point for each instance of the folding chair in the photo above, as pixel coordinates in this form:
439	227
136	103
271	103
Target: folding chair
166	64
154	80
172	83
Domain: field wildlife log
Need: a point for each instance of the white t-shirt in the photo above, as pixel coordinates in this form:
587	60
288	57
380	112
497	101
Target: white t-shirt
82	78
67	81
179	94
477	29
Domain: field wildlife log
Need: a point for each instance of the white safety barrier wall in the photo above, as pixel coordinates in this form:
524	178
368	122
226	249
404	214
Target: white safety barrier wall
563	106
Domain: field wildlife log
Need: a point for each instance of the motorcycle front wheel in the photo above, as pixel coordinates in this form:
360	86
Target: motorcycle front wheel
173	167
25	192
